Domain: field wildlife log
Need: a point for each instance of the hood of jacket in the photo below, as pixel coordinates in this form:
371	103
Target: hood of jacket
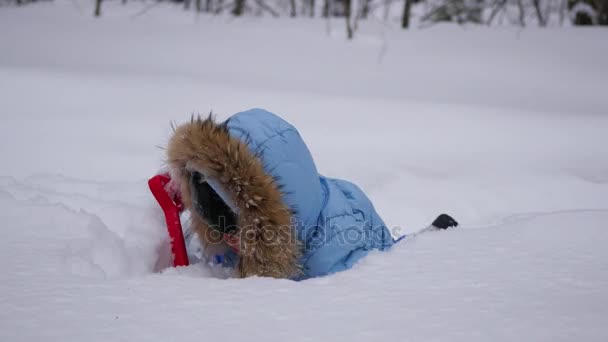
260	166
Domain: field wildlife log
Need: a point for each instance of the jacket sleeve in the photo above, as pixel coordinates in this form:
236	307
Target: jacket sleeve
344	245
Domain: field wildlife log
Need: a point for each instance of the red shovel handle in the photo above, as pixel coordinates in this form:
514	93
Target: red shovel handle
171	205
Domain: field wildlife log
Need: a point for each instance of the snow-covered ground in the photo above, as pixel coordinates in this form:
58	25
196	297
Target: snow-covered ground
505	129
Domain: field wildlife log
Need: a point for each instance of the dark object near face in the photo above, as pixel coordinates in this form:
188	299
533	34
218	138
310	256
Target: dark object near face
210	206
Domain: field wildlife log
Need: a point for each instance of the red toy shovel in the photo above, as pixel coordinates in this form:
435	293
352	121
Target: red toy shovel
172	206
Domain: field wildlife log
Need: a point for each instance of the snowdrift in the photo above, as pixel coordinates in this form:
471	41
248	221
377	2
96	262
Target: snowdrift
504	129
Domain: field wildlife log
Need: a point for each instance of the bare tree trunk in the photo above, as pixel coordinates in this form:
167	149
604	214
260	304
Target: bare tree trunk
602	12
239	5
186	4
292	10
199	5
405	18
387	9
562	11
98	8
312	8
522	13
208	6
347	12
358	15
19	2
539	14
365	9
325	13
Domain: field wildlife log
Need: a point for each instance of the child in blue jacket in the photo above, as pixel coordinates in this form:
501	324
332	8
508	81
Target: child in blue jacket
255	195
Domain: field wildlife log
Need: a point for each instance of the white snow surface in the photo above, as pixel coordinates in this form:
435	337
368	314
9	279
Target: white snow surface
505	129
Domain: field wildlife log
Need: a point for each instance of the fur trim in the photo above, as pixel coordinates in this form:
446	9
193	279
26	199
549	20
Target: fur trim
268	242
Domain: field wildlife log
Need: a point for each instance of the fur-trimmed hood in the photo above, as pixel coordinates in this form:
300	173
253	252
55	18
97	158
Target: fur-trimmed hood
291	221
251	161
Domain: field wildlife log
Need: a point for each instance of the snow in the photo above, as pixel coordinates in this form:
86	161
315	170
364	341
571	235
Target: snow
503	128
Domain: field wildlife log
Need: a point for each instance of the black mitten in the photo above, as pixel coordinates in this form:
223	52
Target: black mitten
445	221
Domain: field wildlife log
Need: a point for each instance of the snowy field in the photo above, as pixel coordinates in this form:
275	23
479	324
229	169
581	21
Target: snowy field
505	129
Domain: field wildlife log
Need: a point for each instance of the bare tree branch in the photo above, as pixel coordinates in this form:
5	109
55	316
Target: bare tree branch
498	5
267	8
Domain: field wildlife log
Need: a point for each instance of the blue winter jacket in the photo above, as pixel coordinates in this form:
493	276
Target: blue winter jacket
336	222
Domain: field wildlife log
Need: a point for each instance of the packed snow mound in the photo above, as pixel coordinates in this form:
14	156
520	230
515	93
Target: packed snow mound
94	265
97	237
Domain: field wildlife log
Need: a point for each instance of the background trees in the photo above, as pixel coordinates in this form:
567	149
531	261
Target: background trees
410	13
